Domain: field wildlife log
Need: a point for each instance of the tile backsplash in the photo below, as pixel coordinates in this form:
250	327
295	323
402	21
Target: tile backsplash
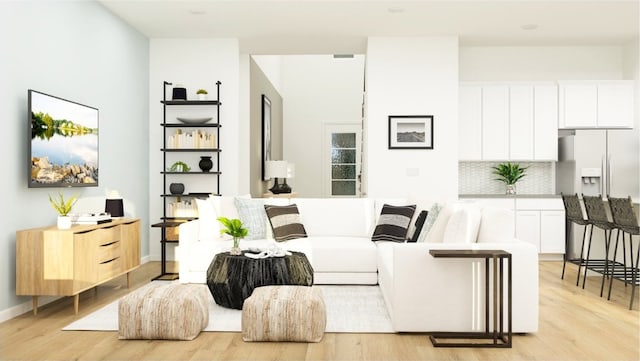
478	178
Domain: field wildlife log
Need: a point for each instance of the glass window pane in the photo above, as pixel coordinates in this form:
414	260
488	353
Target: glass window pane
343	188
343	156
343	171
343	140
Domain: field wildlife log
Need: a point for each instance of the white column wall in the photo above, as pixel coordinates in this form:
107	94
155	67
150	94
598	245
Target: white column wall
412	76
194	63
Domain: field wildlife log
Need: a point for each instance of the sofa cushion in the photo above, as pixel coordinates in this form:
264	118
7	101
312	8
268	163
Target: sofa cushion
285	222
342	254
434	211
497	225
463	225
436	233
349	217
419	223
393	223
209	225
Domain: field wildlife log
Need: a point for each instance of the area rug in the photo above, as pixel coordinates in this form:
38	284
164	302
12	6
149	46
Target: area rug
355	309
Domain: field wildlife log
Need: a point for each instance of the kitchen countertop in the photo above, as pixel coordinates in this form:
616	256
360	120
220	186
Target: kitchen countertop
461	196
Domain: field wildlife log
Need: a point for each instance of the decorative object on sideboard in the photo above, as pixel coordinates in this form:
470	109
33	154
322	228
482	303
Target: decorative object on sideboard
179	166
277	169
63	208
205	163
202	94
114	205
235	229
510	174
179	93
411	132
176	188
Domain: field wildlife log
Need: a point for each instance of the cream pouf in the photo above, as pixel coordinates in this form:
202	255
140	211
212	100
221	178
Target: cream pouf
284	313
164	312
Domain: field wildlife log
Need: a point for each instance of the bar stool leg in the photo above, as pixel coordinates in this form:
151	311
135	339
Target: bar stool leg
634	276
605	272
586	264
581	259
613	266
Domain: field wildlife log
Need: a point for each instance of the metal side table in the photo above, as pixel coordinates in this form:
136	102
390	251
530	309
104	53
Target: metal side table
497	336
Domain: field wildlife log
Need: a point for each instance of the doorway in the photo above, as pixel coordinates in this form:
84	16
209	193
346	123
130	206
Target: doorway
341	159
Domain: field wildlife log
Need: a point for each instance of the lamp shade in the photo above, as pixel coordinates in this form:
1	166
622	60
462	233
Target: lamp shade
291	170
276	169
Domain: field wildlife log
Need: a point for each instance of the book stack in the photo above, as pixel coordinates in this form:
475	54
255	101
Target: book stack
195	139
91	218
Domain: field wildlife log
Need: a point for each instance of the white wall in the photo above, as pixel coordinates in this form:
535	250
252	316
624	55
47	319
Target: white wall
271	66
193	63
412	76
77	51
316	89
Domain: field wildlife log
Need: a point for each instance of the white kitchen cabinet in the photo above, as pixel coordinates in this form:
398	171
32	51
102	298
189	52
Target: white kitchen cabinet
552	231
541	221
545	110
470	124
596	104
528	227
495	122
521	122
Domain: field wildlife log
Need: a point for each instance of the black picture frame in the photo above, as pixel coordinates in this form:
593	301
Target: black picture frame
411	132
266	135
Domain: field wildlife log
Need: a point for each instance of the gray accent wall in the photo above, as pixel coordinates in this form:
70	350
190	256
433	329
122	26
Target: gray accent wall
81	52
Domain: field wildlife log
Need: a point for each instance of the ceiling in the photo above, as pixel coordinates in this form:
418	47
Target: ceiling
342	26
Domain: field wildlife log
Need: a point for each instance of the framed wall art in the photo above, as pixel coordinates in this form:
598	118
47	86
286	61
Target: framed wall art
266	135
411	132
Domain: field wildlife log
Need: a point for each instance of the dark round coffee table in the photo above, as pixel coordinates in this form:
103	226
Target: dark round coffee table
231	279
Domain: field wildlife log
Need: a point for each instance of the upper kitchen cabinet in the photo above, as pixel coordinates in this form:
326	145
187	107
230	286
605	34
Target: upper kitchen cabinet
517	121
596	104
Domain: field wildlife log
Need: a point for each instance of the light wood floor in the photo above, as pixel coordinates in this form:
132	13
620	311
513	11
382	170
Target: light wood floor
575	324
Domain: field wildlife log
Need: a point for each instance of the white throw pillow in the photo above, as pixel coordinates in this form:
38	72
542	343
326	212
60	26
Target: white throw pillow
253	216
432	215
497	225
463	225
209	225
436	234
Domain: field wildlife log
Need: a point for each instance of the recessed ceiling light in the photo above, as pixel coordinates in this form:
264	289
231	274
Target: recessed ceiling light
395	10
197	12
529	26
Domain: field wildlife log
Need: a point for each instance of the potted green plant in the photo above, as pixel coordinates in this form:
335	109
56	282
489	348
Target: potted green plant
179	166
202	94
235	229
509	173
63	208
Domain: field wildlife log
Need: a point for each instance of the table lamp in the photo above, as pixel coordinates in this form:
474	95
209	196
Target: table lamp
277	169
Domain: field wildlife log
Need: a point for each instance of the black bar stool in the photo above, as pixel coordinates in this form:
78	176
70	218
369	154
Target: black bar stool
573	214
626	221
597	216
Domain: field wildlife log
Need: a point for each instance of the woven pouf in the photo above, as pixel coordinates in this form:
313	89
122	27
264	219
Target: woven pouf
284	313
164	312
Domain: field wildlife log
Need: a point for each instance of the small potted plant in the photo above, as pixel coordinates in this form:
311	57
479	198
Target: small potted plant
63	208
202	94
179	166
235	229
509	173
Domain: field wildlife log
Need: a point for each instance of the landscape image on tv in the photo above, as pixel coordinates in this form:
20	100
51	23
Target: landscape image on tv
64	142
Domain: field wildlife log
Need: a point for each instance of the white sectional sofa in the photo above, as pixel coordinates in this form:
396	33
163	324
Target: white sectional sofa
422	294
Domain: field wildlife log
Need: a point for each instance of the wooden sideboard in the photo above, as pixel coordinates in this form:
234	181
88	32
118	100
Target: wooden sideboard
66	262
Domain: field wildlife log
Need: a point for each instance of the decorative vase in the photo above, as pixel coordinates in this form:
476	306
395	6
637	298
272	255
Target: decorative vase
64	222
235	250
511	189
176	188
205	163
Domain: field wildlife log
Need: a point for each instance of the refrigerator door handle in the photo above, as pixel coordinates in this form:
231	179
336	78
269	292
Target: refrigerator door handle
603	173
609	175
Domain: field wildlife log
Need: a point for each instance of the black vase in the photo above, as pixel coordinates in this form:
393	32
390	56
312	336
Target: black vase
176	188
205	163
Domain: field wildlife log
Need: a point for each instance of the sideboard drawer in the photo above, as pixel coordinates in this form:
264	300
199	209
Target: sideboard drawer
108	251
109	269
99	236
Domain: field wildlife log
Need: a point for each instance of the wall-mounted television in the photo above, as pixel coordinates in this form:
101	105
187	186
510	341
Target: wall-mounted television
63	149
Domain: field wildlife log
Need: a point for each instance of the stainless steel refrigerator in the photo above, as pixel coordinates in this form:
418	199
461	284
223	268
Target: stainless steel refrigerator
597	162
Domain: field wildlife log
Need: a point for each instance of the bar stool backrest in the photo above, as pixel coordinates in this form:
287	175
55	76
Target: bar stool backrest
572	208
622	212
595	209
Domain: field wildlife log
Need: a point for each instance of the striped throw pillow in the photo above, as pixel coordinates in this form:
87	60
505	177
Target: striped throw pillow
393	223
285	222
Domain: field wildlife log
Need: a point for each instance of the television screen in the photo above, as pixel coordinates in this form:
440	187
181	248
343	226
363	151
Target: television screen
63	149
